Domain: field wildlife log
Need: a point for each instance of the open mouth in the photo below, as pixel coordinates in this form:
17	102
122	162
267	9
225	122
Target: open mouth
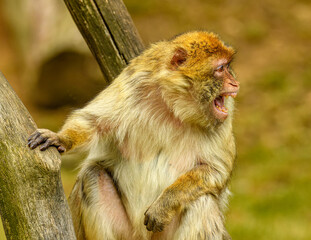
220	110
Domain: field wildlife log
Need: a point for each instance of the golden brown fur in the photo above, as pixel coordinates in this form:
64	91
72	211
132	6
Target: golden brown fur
157	153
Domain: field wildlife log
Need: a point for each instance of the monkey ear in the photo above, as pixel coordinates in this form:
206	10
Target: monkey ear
180	56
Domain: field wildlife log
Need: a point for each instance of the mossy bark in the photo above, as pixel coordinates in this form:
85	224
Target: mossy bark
32	200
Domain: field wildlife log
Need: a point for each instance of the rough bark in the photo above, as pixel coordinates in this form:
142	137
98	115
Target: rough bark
109	32
32	200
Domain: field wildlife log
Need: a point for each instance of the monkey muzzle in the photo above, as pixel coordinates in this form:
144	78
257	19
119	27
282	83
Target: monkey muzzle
219	109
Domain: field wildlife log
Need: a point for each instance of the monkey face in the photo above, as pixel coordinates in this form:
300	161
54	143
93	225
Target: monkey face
204	60
229	87
211	91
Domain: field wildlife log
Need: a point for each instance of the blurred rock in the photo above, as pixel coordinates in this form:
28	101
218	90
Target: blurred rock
69	78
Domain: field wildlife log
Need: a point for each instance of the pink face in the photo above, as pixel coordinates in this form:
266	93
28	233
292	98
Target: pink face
230	88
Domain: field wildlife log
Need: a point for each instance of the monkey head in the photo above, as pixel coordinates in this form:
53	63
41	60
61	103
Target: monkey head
204	62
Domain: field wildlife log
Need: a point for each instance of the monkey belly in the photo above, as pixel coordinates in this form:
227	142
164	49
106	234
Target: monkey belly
129	189
140	184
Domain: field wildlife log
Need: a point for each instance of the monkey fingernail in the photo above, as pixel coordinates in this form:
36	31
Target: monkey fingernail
32	145
146	220
42	148
149	228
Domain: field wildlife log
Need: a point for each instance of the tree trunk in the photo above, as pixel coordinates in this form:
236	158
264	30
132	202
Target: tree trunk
32	200
109	32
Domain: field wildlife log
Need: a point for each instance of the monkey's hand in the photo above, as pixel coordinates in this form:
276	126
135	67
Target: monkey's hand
45	138
159	214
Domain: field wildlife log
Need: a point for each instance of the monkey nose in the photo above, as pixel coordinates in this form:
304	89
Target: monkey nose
234	83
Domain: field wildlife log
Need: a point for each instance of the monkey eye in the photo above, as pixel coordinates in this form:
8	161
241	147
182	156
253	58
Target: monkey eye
220	68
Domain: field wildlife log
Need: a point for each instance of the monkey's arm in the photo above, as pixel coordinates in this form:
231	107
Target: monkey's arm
197	182
75	132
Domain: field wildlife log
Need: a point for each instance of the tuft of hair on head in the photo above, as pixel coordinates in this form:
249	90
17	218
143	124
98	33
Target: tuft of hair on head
197	46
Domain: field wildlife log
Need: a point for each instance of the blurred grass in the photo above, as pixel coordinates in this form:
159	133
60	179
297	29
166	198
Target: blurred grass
271	184
271	195
2	235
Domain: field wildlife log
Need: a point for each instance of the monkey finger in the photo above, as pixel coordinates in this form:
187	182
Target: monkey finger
33	136
146	219
158	227
41	139
45	146
53	141
61	149
30	142
150	225
37	141
32	145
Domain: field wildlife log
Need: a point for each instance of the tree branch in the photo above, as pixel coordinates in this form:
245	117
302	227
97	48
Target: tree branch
109	32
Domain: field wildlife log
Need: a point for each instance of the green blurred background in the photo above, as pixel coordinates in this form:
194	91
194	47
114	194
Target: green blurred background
46	61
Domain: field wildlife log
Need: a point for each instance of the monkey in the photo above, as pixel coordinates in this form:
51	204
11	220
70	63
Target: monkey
160	145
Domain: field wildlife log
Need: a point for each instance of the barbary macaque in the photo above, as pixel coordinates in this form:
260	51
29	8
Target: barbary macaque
160	145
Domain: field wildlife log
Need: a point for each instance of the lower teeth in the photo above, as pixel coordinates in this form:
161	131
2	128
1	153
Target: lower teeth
222	109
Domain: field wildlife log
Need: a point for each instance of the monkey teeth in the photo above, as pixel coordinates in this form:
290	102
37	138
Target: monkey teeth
223	109
231	94
219	103
219	109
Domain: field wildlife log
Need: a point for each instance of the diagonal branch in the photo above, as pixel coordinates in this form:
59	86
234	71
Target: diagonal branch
109	32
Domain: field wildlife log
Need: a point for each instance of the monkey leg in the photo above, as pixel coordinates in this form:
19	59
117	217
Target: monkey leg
202	220
97	210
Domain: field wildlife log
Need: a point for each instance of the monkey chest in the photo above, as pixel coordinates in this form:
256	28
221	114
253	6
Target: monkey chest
141	182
